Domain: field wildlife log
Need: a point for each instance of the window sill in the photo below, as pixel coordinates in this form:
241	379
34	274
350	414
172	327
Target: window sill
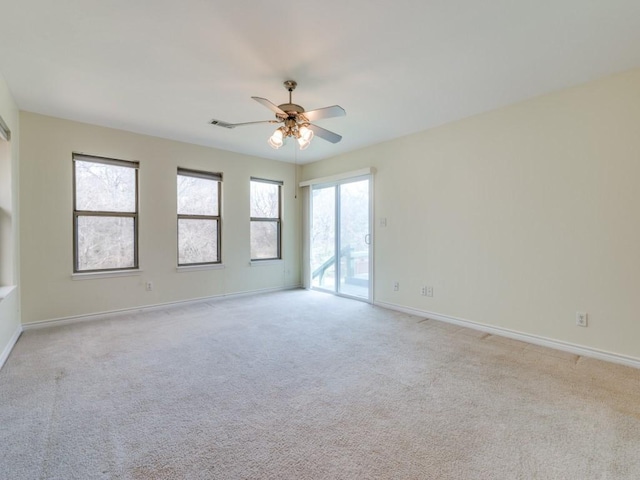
193	268
113	274
5	291
264	263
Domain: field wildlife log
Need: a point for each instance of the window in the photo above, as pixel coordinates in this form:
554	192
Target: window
266	215
198	217
105	214
6	209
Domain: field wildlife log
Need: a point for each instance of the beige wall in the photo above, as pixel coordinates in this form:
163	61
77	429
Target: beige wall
46	203
9	225
519	217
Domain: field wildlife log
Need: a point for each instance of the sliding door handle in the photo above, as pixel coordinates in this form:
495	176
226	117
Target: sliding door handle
367	239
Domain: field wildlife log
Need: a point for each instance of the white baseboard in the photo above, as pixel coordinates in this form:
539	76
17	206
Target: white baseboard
7	350
98	315
524	337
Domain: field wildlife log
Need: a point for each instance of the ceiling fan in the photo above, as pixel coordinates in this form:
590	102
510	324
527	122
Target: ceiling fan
296	122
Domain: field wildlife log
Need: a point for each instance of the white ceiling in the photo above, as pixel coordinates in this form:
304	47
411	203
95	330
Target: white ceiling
166	68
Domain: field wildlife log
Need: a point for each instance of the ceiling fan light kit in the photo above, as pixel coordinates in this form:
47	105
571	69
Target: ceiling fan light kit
296	122
301	132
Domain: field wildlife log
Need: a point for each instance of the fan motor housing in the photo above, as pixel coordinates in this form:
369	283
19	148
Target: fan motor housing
291	108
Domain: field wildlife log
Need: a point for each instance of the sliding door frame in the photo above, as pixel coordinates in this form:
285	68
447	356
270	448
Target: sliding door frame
336	183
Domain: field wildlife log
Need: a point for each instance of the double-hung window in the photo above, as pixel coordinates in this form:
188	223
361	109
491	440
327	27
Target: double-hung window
198	217
105	214
266	219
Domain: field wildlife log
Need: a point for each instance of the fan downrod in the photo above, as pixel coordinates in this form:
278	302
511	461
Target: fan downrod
291	108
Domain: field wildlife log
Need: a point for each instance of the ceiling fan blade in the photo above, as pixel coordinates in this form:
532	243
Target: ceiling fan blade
327	112
274	108
221	123
325	134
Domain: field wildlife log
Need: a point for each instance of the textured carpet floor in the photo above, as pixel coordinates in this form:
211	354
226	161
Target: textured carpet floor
301	385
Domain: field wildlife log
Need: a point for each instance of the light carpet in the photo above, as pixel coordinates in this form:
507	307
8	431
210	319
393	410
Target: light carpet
303	385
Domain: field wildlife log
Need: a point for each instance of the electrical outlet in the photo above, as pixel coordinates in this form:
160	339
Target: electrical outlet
383	221
429	291
423	292
149	286
396	286
581	319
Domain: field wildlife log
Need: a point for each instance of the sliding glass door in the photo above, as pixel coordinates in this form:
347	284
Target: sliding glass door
340	237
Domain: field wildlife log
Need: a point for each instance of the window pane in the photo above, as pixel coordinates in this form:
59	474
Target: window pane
107	188
197	241
264	240
105	242
197	196
264	200
323	237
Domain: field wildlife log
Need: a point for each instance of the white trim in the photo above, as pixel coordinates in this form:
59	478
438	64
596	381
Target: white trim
191	268
109	313
112	274
338	177
12	342
5	291
523	337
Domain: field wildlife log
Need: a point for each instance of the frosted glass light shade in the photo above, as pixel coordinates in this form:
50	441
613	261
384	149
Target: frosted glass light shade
303	143
276	141
306	133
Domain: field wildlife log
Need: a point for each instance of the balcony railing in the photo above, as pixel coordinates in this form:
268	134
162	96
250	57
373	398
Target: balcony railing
350	260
